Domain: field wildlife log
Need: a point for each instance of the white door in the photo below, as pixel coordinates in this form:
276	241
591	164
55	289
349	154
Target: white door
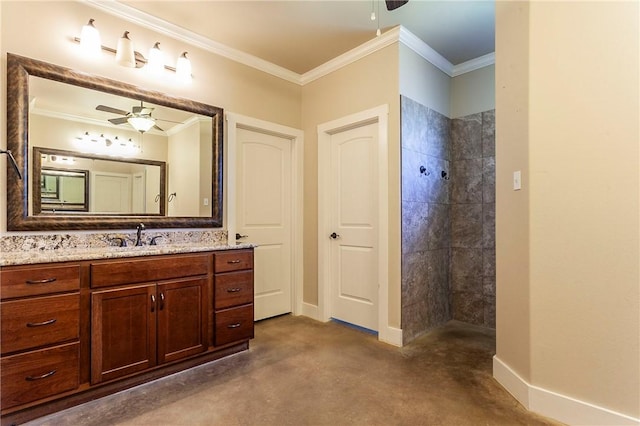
263	214
138	197
111	193
354	213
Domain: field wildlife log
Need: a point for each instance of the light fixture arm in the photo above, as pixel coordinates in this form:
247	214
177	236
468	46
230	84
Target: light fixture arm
12	161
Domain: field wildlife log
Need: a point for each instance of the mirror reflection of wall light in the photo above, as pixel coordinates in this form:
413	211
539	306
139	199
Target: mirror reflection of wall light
127	56
104	145
58	159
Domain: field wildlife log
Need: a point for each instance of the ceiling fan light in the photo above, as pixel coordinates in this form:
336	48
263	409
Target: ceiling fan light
125	55
155	63
141	124
90	39
183	68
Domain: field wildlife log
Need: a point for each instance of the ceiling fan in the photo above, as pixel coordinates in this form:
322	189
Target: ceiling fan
139	117
394	4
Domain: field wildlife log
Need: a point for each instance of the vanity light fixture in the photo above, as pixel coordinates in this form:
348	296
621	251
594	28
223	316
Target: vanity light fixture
127	56
183	68
90	39
104	145
155	63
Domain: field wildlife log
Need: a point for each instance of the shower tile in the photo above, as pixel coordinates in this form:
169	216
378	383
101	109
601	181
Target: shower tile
439	226
437	187
415	185
466	225
415	277
414	320
466	176
438	268
488	133
489	311
468	307
414	226
414	117
466	262
488	180
489	225
489	286
467	283
488	262
466	137
438	135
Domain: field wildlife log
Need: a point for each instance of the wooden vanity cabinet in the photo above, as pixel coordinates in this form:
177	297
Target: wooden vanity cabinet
76	331
39	322
138	326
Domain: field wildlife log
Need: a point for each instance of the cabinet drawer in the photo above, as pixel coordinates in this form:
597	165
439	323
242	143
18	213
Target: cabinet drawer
234	325
233	288
111	273
36	280
34	375
233	260
40	321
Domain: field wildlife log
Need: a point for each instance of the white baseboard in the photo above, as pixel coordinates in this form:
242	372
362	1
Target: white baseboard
554	405
311	311
391	335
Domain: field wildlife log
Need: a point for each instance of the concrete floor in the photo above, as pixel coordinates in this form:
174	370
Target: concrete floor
302	372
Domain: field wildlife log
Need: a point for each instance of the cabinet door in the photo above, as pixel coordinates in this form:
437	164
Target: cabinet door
123	331
182	322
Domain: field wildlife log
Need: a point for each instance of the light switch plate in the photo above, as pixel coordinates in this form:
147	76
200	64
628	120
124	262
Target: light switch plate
517	180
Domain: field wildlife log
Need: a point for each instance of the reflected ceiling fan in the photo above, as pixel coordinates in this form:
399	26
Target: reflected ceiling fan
139	117
394	4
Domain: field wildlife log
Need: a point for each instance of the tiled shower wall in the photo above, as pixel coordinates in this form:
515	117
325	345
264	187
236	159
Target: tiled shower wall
473	254
426	242
448	219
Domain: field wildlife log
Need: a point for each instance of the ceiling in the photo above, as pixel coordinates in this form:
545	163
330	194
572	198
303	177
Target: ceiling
300	35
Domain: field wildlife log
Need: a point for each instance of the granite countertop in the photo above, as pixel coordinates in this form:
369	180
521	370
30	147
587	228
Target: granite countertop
28	257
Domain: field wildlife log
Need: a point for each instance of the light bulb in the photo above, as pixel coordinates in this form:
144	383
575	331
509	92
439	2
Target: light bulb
155	63
378	32
90	40
183	68
124	52
373	16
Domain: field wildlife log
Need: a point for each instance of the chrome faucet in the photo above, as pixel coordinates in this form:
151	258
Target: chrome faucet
139	230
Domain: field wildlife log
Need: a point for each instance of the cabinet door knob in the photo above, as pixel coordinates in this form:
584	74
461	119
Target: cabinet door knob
161	301
153	303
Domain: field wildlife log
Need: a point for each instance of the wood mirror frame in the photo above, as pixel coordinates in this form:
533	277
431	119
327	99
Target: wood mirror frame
18	191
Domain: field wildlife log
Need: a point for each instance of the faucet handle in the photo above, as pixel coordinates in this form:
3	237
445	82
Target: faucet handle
122	242
153	240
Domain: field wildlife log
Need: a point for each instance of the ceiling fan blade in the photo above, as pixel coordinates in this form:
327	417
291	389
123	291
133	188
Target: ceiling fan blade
157	128
111	110
120	120
394	4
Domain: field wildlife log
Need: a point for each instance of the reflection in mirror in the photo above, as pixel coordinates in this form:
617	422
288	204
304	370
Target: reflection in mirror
64	189
109	185
107	127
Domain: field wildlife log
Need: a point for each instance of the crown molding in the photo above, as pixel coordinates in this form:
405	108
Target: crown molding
396	34
474	64
367	48
176	32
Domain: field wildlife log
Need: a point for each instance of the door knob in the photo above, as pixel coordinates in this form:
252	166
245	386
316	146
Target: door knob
238	236
334	235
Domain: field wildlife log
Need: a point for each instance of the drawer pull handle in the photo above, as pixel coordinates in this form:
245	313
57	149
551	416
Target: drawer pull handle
153	303
234	261
43	376
233	290
161	301
45	281
40	324
236	325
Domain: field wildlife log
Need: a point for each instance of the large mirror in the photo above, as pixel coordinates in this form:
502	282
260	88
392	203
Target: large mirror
145	156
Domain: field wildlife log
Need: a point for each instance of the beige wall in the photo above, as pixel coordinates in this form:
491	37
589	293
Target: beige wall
364	84
569	317
473	92
424	82
43	30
